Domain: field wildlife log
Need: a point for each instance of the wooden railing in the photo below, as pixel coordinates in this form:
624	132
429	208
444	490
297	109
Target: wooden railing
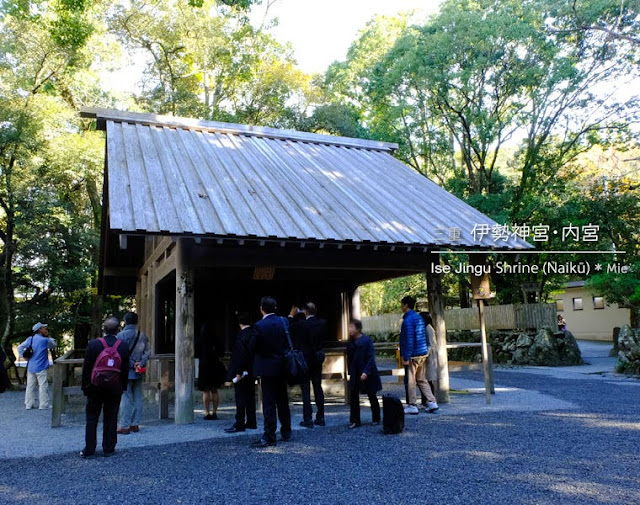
63	387
497	317
162	364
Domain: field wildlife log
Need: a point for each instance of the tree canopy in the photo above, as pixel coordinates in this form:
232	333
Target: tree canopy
505	103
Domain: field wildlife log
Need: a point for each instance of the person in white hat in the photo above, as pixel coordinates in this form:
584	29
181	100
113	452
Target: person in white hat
40	343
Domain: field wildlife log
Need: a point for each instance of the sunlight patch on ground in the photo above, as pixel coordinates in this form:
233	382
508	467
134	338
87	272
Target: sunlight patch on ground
567	486
594	421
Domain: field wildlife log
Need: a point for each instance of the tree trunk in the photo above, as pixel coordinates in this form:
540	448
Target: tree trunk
97	300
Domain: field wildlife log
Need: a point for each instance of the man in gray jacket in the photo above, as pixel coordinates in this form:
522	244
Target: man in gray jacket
132	399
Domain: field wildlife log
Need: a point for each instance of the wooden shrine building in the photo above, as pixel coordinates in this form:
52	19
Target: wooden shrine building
201	219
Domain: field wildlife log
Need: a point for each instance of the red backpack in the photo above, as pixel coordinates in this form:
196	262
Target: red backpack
107	368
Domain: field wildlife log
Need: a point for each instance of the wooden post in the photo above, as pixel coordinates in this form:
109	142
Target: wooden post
57	396
184	377
436	309
344	315
345	302
493	389
355	304
163	404
485	353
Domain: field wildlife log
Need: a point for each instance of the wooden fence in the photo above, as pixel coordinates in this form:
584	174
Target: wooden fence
498	317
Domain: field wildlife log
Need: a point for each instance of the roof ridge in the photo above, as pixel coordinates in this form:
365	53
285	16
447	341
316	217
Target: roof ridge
104	115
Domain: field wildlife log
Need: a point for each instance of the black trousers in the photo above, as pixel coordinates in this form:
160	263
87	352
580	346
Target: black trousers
245	403
315	378
355	406
275	402
108	403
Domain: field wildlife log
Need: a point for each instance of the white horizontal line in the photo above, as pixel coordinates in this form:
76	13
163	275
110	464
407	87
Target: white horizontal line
497	251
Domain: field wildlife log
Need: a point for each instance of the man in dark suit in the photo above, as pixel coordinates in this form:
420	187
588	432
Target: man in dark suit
240	372
103	399
309	334
269	344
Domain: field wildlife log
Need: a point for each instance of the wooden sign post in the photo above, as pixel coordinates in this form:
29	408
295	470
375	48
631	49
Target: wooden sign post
482	291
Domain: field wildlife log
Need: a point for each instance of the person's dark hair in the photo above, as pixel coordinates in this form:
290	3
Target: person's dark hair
131	318
244	318
111	325
427	318
311	308
410	301
268	304
357	323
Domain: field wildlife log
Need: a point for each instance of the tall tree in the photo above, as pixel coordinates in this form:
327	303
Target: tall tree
44	75
206	60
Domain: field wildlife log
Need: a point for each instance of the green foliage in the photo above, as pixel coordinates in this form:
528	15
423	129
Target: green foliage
480	74
384	297
211	63
51	169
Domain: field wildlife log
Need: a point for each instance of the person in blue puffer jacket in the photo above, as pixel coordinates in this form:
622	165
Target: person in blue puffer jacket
414	351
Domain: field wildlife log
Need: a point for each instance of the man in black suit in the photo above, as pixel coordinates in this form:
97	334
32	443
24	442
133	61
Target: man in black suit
269	344
309	334
103	399
240	372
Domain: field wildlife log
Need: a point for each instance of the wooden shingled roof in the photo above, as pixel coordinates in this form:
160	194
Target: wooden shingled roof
176	176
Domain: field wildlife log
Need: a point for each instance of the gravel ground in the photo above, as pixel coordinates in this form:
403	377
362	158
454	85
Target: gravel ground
582	447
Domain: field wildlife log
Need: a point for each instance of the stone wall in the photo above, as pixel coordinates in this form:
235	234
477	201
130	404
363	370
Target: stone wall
629	350
544	348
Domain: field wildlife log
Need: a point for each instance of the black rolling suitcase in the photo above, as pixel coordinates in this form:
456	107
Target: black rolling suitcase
392	414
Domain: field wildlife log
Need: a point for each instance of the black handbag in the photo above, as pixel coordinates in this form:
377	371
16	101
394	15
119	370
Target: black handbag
28	352
296	366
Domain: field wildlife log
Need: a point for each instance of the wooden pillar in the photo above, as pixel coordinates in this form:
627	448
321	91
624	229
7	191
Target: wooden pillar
184	377
436	309
345	307
485	352
163	403
57	394
355	304
151	305
138	299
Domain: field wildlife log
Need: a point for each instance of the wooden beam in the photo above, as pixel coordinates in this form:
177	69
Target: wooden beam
308	258
155	254
120	272
184	376
436	309
165	268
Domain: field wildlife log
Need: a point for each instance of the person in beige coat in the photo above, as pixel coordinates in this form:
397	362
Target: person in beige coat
432	359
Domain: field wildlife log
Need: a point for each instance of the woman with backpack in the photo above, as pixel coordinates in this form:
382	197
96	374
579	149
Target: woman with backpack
363	374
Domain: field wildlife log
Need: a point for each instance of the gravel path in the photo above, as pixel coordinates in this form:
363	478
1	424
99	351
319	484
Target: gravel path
576	442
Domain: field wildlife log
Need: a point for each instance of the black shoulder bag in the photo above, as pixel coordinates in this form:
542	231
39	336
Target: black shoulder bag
28	352
297	369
